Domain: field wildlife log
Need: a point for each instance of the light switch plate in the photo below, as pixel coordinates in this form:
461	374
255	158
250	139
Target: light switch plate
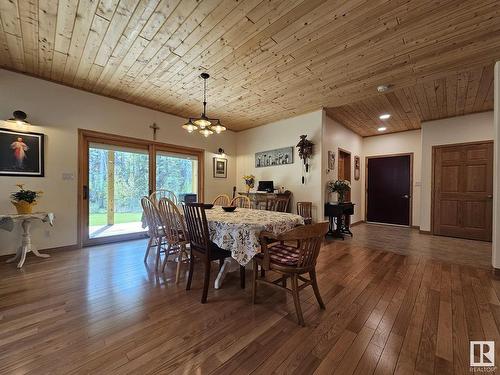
68	176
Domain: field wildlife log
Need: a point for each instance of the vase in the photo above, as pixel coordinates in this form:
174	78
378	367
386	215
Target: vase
24	207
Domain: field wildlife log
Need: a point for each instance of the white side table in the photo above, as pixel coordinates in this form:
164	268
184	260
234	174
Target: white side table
7	223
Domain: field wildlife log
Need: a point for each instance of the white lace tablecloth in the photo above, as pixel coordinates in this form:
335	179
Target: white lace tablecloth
239	231
7	221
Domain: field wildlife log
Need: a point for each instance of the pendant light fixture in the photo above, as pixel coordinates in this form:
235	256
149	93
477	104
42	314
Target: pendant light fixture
207	126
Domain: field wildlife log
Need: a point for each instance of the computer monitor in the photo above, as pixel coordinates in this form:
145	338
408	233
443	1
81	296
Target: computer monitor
266	186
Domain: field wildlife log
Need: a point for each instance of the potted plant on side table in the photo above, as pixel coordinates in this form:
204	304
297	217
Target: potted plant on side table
341	187
24	200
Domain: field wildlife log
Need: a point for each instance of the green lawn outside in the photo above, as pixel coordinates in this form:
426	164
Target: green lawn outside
125	217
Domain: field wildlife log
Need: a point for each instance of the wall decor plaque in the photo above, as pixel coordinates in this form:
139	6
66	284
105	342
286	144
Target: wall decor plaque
280	156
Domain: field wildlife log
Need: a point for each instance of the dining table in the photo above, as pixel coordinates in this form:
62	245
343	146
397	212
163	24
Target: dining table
239	231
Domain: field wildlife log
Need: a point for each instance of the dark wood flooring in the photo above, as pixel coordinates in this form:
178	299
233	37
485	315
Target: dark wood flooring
100	310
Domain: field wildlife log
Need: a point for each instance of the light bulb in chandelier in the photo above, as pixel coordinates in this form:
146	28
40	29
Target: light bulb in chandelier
189	126
202	122
206	132
218	128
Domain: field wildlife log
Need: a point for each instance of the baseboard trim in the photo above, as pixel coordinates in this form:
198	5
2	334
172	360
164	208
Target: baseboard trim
415	227
424	231
48	250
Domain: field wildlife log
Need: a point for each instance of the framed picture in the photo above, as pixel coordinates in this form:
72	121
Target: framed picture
356	168
331	160
280	156
220	168
21	153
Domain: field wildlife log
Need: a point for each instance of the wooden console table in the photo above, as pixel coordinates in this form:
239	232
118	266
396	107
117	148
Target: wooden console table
7	223
339	216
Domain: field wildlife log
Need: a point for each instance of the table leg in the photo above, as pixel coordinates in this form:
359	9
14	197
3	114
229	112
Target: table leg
230	265
15	257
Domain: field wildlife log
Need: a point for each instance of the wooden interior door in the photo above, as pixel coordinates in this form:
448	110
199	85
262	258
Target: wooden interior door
388	189
463	190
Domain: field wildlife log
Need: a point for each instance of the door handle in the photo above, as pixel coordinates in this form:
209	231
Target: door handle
490	196
406	196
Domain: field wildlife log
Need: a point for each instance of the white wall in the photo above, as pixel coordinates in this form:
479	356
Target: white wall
337	136
469	128
397	143
58	111
282	134
495	260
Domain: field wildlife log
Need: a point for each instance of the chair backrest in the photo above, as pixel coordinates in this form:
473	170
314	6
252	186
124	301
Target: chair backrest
155	196
279	204
304	209
241	201
152	216
309	238
197	226
173	222
222	200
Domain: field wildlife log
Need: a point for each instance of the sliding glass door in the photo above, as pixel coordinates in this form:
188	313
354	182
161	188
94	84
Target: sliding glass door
118	179
116	172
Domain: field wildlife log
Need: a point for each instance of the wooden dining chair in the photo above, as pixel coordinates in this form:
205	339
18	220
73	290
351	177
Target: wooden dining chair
304	209
155	229
155	196
241	201
278	204
291	261
222	200
201	246
175	233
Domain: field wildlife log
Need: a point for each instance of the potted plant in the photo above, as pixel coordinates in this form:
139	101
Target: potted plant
24	200
341	187
249	182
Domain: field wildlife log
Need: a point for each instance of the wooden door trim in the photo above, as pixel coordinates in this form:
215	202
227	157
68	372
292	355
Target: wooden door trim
433	173
367	158
87	136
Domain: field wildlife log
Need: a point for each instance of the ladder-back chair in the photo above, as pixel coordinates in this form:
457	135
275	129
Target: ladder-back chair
291	261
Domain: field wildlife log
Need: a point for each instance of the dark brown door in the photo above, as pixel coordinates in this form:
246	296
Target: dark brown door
463	191
389	189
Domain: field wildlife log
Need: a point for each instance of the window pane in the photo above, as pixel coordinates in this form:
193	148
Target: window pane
177	173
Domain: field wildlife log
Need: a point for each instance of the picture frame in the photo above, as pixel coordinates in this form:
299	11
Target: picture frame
21	153
273	158
357	169
220	168
331	161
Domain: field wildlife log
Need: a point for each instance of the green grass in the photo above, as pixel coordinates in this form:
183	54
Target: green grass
126	217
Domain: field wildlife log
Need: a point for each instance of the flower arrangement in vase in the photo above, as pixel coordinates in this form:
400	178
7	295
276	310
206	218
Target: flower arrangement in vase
24	200
341	187
249	181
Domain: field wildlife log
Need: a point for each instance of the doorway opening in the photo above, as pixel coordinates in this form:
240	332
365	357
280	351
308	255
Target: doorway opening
344	169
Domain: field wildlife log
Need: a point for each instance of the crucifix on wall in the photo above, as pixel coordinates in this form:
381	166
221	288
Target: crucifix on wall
155	128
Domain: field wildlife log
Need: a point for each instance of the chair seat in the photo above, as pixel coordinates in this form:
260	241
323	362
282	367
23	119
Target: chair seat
282	254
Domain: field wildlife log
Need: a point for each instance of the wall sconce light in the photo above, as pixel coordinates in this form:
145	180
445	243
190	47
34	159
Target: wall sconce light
19	117
221	152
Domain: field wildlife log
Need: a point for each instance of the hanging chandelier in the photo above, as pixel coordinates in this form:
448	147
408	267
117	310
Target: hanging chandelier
207	126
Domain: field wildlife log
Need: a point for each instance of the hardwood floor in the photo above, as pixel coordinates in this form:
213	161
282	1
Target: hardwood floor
101	310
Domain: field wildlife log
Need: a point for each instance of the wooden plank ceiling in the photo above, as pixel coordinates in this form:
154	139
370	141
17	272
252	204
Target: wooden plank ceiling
269	59
454	95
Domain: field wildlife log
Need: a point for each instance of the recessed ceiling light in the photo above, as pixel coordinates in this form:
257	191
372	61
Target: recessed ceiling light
382	128
384	116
